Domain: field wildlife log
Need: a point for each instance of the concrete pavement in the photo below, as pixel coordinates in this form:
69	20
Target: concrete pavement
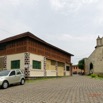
75	89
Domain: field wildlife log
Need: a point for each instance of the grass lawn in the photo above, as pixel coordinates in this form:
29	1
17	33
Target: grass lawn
32	80
96	76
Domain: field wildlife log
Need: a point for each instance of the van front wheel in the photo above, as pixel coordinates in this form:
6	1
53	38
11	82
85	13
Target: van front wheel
5	85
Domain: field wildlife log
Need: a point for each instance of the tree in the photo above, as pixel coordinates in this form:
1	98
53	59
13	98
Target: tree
81	64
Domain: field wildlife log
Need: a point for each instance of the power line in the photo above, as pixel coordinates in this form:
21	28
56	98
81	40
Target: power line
5	31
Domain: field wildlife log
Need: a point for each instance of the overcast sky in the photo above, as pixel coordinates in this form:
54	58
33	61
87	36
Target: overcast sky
72	25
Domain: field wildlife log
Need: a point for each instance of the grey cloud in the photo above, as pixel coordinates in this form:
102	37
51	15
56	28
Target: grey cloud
66	27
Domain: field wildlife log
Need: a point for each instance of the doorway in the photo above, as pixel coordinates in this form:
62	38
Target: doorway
91	68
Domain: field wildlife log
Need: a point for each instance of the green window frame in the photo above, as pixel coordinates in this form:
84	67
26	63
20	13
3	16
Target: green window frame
36	64
15	64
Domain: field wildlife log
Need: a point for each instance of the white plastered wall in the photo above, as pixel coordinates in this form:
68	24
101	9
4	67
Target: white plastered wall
12	57
36	72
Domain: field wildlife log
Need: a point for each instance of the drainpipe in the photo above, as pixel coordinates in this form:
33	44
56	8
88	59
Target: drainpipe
71	68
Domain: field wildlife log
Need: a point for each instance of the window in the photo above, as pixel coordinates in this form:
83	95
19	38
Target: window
53	62
36	64
67	68
18	72
15	64
12	73
60	64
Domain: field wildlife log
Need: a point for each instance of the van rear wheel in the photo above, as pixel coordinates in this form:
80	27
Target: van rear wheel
22	82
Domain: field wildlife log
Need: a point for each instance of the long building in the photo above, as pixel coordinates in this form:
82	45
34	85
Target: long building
34	56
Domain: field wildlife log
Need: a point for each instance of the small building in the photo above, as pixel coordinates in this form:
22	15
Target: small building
76	70
94	63
34	56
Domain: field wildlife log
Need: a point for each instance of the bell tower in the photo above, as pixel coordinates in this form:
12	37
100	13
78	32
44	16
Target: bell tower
99	41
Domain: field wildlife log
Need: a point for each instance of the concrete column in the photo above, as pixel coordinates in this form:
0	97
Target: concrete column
56	68
45	66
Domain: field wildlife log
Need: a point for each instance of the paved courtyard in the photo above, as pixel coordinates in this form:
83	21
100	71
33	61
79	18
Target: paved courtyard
76	89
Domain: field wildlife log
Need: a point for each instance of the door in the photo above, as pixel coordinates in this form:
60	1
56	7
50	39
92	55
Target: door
12	77
18	76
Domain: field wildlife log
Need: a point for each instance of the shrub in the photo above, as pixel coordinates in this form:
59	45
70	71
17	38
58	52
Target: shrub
94	75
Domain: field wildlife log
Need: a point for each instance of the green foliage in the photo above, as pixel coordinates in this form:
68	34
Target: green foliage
94	75
81	64
37	79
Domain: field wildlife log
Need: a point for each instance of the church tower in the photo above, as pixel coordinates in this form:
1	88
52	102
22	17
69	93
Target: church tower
99	41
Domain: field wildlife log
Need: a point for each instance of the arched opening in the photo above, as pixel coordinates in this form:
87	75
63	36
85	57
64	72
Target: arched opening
91	68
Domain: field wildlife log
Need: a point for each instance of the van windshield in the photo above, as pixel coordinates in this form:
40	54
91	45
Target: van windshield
4	73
